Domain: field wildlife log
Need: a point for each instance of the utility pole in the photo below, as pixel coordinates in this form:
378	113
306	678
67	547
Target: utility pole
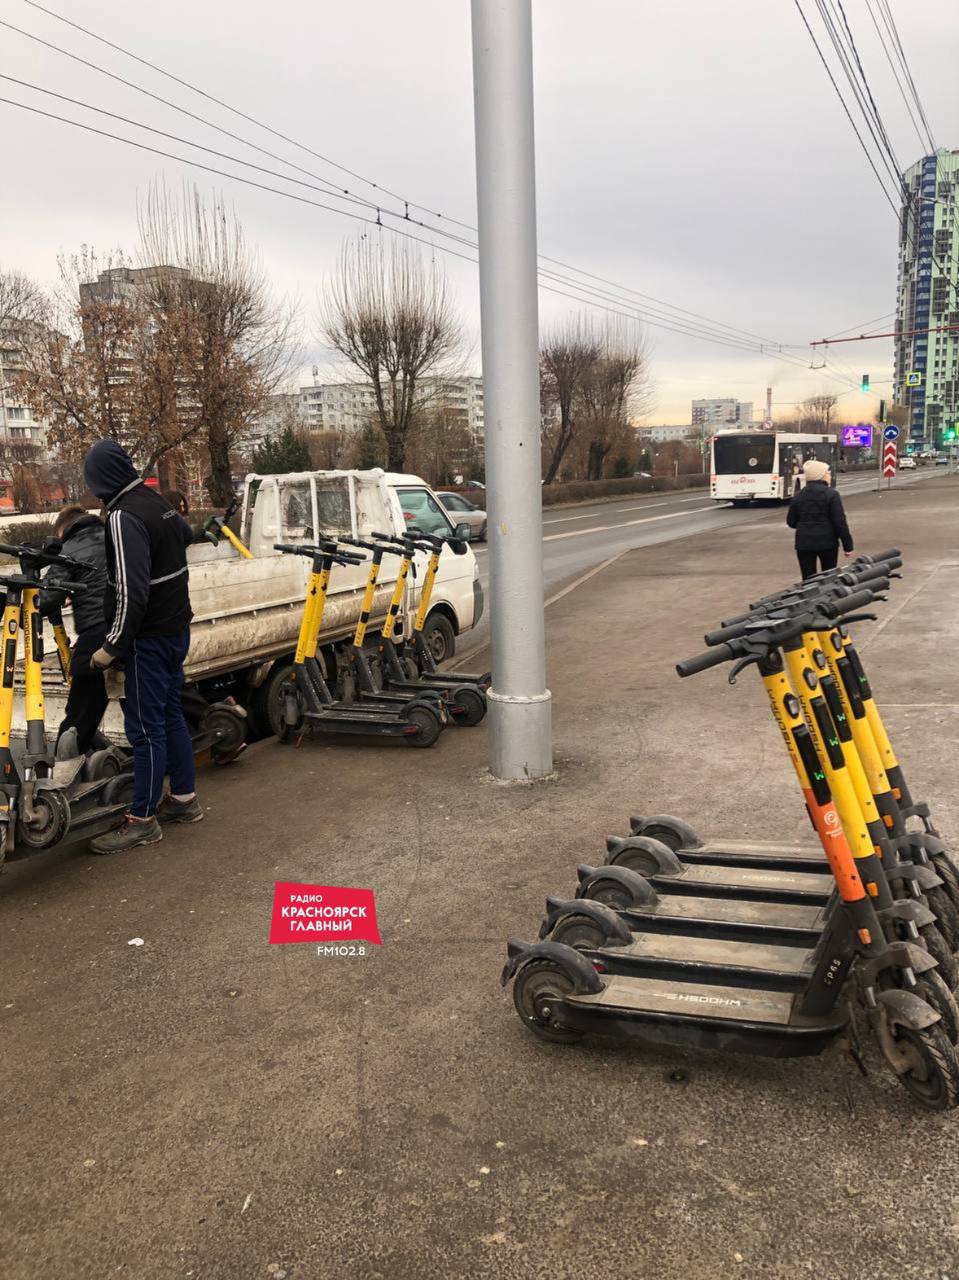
520	716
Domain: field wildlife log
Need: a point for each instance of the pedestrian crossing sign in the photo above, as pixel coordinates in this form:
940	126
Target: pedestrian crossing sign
914	379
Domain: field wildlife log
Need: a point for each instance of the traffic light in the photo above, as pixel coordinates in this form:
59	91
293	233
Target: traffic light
950	433
864	385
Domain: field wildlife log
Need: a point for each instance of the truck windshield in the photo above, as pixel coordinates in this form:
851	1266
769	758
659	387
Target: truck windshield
743	455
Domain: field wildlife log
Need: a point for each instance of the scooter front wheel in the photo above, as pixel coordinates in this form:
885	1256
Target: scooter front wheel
52	819
944	869
610	893
931	988
938	948
537	988
933	1074
947	921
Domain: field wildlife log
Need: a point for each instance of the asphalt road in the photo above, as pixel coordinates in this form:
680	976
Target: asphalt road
575	538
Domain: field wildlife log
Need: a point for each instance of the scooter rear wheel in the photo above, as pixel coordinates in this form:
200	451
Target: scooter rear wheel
53	818
536	988
610	893
428	724
472	704
579	932
933	1079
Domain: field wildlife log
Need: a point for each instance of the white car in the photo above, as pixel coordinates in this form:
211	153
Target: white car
907	464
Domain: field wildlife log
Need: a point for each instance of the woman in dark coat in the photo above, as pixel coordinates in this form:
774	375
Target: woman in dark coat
817	515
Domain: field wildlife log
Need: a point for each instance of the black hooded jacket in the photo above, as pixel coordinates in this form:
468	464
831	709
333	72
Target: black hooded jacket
817	515
84	541
147	590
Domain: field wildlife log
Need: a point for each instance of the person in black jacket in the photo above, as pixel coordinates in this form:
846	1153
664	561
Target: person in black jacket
147	607
80	535
817	515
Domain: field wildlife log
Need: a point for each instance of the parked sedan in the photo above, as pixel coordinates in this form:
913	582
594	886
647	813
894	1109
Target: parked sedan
461	509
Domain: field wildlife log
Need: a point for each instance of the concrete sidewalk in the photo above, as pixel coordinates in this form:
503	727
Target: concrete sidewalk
208	1106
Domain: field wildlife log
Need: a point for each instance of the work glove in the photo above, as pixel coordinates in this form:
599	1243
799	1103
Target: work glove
101	660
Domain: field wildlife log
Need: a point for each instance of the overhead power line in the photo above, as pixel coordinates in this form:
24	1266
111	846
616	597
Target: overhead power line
380	206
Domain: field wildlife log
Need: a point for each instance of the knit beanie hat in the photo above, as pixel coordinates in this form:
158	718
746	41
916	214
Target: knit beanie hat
815	470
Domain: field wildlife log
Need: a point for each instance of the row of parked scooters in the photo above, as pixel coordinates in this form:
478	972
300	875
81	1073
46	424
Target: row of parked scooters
50	789
759	948
395	689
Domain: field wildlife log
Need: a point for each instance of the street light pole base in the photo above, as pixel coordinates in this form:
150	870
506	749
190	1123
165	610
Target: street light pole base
520	736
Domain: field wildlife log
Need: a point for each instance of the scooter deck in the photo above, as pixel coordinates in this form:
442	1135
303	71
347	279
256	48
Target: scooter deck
782	967
784	923
769	884
774	857
702	1015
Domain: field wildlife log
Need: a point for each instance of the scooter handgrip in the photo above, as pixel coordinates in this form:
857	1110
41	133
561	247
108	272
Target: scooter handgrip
290	550
728	631
866	573
888	555
389	537
859	599
703	661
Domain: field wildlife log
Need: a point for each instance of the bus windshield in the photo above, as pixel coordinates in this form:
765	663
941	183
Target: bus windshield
743	455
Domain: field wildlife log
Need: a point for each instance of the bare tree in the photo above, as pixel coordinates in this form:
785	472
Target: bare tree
616	389
96	363
594	379
441	443
816	413
231	344
21	301
567	358
392	318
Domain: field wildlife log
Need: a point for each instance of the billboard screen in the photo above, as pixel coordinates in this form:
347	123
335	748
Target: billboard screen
858	436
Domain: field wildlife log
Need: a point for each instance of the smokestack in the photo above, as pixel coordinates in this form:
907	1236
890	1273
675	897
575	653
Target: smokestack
769	405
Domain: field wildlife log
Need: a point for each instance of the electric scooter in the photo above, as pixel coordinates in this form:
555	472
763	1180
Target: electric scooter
678	834
906	857
750	1001
42	798
414	654
307	700
465	702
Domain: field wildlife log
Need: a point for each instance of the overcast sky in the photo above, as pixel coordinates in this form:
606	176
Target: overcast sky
690	150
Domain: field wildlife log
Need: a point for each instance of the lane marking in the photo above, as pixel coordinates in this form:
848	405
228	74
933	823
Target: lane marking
590	515
624	524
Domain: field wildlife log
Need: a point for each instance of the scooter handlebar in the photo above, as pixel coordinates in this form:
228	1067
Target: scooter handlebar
324	548
703	661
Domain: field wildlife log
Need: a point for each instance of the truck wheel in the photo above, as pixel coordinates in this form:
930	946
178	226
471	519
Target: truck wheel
272	694
438	635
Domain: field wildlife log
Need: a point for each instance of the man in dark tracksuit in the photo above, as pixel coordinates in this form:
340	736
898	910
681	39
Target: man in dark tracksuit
81	536
817	515
148	614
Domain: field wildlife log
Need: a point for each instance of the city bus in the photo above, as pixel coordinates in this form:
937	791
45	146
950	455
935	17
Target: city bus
764	464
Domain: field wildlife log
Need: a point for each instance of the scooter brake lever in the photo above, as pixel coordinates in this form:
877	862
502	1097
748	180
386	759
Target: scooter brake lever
859	617
741	666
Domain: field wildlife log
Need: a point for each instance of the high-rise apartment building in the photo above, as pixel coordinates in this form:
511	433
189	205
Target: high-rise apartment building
18	426
722	413
926	377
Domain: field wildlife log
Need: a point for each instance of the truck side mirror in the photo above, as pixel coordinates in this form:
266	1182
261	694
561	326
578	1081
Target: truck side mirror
462	532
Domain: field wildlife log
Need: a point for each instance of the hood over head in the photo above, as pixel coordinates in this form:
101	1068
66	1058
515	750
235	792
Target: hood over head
815	470
108	470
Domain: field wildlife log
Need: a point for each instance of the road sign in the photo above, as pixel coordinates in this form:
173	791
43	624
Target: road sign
914	379
889	452
890	432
